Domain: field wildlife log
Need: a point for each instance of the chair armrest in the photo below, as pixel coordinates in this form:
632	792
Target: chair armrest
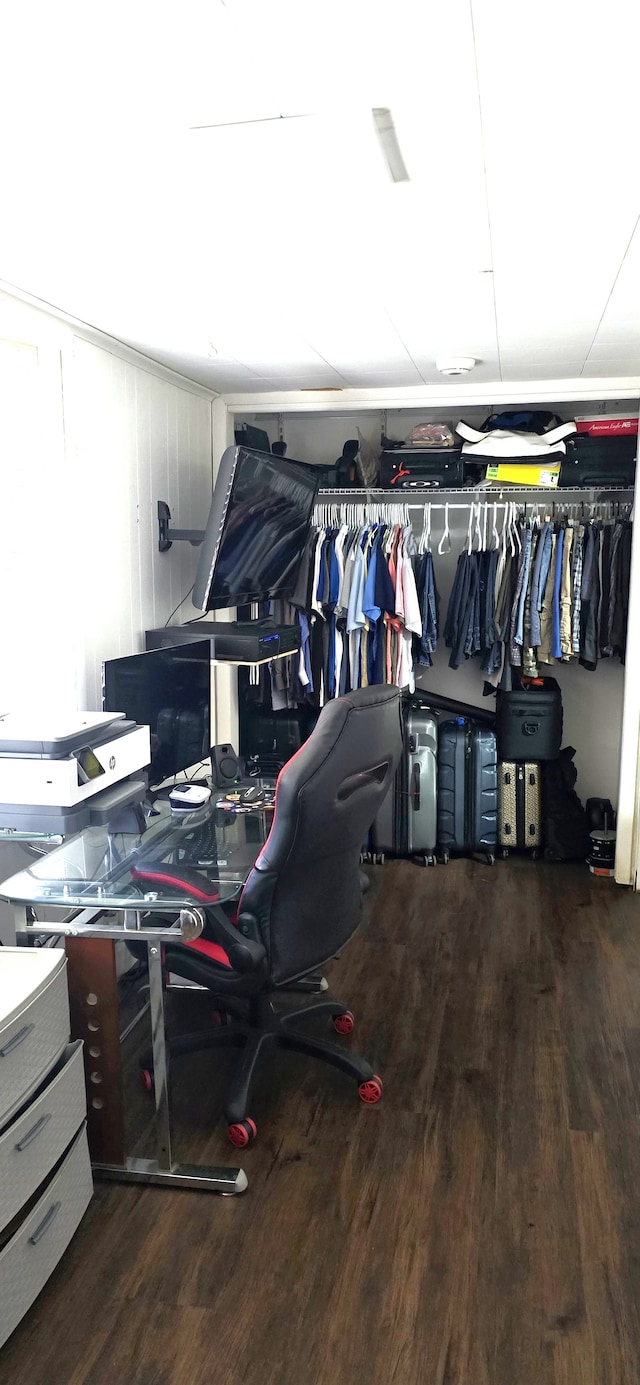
244	953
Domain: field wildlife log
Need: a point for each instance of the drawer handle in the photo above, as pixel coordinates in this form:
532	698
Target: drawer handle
33	1133
18	1038
45	1223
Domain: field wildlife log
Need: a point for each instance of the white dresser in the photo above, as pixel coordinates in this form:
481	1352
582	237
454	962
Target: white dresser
45	1173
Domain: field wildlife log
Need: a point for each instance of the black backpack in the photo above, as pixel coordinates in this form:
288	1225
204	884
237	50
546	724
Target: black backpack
565	826
522	421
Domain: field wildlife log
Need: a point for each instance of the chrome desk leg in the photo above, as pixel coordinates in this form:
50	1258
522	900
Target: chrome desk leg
163	1169
160	1067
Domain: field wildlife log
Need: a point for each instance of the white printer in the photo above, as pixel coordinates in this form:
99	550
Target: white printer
60	772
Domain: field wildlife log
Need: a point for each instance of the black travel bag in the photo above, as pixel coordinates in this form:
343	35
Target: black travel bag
417	468
529	721
599	461
467	789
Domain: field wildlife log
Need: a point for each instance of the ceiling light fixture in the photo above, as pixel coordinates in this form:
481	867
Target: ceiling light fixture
456	365
388	141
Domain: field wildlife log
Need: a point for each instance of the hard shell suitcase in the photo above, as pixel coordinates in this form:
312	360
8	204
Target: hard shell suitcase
406	823
467	789
519	806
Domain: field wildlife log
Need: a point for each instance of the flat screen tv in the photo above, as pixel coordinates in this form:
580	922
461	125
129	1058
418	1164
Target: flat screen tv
257	529
168	690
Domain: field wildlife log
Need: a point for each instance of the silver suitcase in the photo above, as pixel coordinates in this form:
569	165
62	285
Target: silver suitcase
406	824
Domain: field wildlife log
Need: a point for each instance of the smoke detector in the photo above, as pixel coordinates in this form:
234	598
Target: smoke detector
456	365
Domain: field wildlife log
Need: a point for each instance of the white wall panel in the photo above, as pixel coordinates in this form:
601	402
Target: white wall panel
132	439
90	440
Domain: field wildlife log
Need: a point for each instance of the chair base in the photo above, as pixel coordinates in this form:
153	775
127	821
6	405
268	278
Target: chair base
266	1029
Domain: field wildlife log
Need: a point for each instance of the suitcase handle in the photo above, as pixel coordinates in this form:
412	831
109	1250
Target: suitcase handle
415	788
530	728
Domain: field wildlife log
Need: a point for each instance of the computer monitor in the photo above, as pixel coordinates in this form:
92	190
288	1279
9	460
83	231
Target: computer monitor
258	527
168	690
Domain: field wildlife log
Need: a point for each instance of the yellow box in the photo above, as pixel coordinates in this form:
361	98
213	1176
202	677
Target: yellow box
525	474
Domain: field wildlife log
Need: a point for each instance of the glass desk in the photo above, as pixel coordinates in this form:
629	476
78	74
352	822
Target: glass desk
90	877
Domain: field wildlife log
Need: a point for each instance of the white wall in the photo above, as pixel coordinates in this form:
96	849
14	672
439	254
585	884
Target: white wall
92	436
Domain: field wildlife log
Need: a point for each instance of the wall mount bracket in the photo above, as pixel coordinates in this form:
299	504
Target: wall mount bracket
167	535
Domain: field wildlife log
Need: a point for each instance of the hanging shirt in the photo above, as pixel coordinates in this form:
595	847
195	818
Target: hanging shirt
355	614
539	580
556	647
316	604
578	548
590	599
566	594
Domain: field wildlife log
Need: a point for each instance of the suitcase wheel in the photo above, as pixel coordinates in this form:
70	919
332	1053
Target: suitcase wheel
431	860
504	853
491	860
444	857
535	854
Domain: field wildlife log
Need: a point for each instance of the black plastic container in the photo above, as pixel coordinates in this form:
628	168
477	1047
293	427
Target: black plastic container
529	721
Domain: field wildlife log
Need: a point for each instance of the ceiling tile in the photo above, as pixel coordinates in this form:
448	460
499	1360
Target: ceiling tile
542	370
617	369
284	242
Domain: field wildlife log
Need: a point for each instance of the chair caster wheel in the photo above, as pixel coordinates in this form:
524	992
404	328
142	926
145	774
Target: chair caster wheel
146	1078
370	1091
344	1024
242	1133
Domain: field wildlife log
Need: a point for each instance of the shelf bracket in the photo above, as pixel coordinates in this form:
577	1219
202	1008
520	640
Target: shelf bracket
167	535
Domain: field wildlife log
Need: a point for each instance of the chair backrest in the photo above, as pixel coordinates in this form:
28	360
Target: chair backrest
304	890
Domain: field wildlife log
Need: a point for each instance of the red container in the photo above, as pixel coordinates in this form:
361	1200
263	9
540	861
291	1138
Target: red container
602	427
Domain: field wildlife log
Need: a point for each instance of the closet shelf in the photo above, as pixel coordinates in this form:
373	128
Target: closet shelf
573	494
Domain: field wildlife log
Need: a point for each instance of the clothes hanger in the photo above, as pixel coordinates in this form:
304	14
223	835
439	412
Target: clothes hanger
446	535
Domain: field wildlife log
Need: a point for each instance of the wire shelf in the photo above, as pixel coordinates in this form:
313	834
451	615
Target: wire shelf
361	495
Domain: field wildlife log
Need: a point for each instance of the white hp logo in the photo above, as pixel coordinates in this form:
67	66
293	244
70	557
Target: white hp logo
112	762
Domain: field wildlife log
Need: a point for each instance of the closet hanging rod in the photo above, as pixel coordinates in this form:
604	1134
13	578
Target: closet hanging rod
543	503
443	505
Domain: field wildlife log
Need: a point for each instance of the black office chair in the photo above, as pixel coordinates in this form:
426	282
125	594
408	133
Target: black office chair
301	902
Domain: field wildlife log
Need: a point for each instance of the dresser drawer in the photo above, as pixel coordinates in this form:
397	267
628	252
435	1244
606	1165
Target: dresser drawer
33	1143
32	1042
33	1252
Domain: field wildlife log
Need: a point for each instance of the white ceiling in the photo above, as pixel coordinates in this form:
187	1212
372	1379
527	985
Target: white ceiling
276	253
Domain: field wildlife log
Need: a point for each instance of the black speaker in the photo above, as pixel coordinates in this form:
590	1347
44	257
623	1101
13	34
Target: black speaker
225	766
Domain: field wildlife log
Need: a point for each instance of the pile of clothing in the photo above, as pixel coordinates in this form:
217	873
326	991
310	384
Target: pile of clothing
559	594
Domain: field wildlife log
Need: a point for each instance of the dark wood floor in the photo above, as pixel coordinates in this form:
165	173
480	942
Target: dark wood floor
480	1227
